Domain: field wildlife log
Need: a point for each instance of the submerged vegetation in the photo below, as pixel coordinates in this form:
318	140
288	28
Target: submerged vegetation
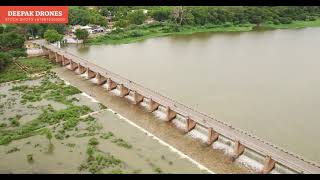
57	91
48	117
97	160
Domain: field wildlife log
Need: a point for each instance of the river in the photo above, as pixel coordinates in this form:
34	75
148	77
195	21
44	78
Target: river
265	82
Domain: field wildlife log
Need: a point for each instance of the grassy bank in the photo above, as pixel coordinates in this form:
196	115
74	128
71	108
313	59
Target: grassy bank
294	25
143	32
34	64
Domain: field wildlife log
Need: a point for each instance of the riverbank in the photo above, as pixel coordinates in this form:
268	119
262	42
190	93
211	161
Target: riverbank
143	32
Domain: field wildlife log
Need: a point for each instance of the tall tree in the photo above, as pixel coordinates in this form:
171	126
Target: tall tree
82	34
52	36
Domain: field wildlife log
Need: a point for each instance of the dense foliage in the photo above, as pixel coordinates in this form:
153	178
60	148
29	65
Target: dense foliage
84	17
52	36
202	15
82	34
11	45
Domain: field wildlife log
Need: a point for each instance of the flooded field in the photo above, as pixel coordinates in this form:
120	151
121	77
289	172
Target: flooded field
48	126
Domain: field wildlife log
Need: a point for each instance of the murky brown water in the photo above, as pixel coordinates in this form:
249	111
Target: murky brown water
264	82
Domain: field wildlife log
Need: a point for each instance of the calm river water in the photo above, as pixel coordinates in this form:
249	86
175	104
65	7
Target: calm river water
265	82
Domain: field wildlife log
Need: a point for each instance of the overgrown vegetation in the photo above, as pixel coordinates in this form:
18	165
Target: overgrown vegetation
48	117
35	65
49	89
97	161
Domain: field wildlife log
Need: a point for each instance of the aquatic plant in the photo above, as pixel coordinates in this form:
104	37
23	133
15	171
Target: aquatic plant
122	143
93	141
49	89
107	135
30	158
97	161
158	170
15	149
49	116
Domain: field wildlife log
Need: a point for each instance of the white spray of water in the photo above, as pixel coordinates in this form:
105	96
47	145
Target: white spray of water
250	163
198	135
225	148
160	115
68	66
179	124
116	92
94	80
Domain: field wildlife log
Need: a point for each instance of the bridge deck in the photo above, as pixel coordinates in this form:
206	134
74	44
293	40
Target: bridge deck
252	142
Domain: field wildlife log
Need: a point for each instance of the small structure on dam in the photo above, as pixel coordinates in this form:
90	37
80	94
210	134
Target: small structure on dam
241	146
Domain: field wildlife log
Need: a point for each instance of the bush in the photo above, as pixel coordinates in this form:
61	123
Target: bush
4	59
135	33
21	52
285	20
93	141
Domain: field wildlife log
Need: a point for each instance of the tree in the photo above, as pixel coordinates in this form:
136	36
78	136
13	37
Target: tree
52	36
136	17
161	14
4	59
182	15
10	41
82	34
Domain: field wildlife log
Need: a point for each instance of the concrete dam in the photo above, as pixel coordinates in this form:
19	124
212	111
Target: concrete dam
243	147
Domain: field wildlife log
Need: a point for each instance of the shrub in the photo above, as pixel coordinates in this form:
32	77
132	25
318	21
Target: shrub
93	141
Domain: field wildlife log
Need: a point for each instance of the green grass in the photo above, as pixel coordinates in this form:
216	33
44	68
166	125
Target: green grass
294	25
35	65
12	73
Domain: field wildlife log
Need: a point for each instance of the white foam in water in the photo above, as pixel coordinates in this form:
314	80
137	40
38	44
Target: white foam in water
106	86
225	148
159	114
77	71
131	98
198	135
91	98
250	163
94	80
68	66
144	104
116	92
84	75
179	124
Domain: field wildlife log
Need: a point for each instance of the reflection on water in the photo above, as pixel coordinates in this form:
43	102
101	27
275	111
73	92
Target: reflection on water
265	82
